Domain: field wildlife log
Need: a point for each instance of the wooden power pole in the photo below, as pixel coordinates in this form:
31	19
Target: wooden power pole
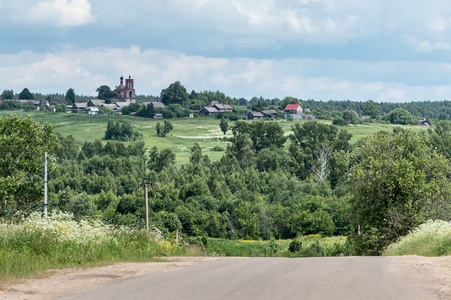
147	206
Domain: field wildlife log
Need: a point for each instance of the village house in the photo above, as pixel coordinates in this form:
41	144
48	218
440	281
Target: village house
120	105
96	102
222	107
79	107
270	113
111	106
209	111
252	115
156	104
293	109
93	111
424	123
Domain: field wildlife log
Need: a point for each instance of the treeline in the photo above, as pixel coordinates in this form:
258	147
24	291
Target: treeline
435	110
25	94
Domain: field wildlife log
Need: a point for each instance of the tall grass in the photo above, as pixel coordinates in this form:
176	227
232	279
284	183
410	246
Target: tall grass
432	238
37	245
307	246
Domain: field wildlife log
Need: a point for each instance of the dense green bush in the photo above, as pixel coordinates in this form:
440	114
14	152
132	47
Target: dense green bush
402	117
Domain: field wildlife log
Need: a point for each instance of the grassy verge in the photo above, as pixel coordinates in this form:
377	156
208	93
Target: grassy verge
36	245
432	238
307	246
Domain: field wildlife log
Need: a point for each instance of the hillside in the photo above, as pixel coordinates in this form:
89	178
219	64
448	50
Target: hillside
203	130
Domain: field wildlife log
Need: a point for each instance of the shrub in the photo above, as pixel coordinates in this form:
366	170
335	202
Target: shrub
295	246
217	148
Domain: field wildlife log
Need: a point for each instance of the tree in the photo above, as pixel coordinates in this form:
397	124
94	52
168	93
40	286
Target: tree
105	93
401	116
23	142
60	108
397	182
272	158
158	129
196	154
68	149
370	109
133	107
311	218
308	139
150	110
70	96
158	160
242	149
175	93
7	95
288	100
224	125
263	134
167	127
321	168
81	206
121	131
440	138
164	129
26	95
351	117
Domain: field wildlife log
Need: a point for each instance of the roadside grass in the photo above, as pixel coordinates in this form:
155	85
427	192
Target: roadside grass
309	246
432	238
36	245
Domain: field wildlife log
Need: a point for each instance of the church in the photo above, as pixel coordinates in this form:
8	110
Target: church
125	93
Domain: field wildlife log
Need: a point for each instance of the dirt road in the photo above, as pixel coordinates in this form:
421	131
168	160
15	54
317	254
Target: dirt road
409	277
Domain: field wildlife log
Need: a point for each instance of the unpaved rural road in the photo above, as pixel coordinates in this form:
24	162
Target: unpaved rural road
408	277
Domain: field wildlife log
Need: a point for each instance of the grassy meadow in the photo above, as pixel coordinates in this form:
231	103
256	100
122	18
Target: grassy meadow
202	130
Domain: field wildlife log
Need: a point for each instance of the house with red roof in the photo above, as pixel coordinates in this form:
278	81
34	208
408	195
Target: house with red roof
294	109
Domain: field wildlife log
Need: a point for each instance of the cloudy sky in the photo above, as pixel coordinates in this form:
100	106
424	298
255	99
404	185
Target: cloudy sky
384	50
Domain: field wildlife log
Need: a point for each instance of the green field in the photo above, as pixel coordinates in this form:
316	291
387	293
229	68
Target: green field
203	130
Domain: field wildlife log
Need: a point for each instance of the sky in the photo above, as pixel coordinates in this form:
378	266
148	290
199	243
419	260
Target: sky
358	50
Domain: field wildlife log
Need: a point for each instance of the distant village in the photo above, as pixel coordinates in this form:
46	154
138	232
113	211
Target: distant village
125	94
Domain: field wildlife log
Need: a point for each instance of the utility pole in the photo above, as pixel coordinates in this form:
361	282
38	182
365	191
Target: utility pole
45	186
147	206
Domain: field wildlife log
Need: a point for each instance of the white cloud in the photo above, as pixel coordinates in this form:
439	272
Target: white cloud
154	70
427	45
63	12
439	24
